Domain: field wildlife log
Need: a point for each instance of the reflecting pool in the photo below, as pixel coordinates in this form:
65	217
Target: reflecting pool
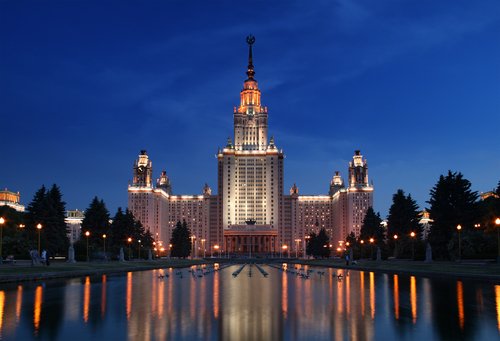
200	304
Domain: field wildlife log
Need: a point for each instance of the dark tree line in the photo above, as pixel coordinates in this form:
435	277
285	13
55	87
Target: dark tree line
47	209
123	231
452	203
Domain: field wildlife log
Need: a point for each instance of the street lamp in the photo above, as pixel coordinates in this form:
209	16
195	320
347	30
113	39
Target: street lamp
203	246
104	241
216	248
497	223
459	228
371	248
192	245
297	241
306	241
2	221
395	246
39	228
285	247
362	242
412	235
87	234
140	248
129	240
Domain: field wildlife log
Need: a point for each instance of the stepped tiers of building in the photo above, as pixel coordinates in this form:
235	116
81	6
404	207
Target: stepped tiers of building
250	212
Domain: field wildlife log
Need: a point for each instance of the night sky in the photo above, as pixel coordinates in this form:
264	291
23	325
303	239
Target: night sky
415	85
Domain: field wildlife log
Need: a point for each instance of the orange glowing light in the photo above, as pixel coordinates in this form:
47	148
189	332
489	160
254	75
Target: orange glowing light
19	302
413	298
37	308
86	299
372	295
284	293
362	291
396	297
460	303
2	305
103	295
216	293
497	301
128	302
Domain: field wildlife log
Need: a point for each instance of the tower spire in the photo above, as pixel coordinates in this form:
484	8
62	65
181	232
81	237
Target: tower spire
250	71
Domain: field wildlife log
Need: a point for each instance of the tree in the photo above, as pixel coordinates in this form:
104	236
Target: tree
181	242
96	222
311	244
323	244
404	218
48	209
56	230
451	203
35	214
15	241
318	244
372	227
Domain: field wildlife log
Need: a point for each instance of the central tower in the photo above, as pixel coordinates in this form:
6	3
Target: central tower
250	118
250	175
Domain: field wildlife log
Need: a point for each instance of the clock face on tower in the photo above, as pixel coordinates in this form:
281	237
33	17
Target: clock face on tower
140	169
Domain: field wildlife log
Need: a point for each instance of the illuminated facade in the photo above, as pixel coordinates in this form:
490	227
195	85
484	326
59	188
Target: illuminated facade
250	212
11	199
74	219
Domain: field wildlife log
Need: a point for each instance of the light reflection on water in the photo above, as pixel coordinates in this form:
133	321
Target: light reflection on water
149	305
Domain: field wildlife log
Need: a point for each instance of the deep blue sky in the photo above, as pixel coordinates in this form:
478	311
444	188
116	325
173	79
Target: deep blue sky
83	87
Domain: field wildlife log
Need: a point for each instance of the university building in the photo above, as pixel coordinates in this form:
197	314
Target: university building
250	213
11	199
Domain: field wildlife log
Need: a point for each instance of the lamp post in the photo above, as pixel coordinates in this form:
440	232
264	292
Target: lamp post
140	249
371	248
362	242
395	246
203	246
39	228
297	241
192	246
497	223
104	243
129	240
306	241
412	235
2	221
87	234
216	248
459	228
285	248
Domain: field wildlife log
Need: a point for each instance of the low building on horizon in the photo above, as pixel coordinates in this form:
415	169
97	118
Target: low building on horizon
11	199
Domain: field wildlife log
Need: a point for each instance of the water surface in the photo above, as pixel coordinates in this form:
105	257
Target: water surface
282	306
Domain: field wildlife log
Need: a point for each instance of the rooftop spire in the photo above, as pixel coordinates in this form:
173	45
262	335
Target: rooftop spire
250	71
